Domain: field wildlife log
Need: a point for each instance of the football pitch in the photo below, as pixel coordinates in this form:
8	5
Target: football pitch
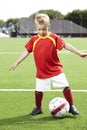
17	89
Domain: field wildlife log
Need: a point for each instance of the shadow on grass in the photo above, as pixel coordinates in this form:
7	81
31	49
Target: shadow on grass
26	119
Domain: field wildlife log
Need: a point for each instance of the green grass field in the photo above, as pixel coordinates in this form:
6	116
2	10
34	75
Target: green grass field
15	106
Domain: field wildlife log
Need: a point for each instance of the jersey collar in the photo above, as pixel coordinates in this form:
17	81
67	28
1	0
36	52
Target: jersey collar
45	36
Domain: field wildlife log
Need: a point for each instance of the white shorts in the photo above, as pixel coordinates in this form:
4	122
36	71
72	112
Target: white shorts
57	81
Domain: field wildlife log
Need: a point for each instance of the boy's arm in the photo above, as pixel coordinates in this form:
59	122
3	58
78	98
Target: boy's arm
20	59
74	50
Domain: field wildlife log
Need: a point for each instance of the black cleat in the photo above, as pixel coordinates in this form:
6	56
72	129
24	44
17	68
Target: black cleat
36	111
73	110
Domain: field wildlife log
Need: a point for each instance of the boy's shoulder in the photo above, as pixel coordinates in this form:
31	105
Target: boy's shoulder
54	35
35	37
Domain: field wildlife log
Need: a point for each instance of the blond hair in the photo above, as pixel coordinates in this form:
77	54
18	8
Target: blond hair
42	19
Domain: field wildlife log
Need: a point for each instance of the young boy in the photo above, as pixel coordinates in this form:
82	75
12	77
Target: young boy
44	46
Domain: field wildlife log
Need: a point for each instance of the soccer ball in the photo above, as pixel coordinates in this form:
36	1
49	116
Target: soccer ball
59	107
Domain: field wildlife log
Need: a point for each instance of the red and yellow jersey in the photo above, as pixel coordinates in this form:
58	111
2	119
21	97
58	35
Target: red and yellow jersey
45	54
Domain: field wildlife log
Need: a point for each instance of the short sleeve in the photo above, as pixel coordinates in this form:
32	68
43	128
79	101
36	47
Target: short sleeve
29	45
60	43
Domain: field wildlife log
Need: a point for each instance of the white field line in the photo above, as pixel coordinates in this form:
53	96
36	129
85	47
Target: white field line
31	90
68	52
14	53
60	52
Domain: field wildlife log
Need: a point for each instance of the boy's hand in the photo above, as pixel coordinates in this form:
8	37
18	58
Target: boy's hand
84	55
13	67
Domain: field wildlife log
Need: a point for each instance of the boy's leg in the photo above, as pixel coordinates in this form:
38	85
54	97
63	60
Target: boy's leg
41	86
38	103
38	99
68	95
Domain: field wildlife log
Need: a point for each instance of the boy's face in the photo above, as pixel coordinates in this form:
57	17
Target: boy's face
42	30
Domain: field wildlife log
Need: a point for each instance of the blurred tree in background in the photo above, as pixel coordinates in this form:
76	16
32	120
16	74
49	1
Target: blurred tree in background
77	16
